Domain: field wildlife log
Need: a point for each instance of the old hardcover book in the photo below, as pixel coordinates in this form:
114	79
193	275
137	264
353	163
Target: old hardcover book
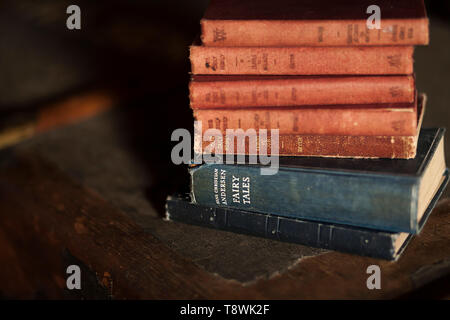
352	120
288	91
360	241
382	194
337	146
301	60
302	145
313	23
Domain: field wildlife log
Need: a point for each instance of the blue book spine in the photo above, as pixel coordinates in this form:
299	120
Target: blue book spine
383	202
366	242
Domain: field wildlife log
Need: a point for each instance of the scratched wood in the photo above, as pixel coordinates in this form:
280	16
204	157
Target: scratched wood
48	221
44	215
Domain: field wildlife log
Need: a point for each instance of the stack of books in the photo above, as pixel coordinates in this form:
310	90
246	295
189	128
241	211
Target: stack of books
334	87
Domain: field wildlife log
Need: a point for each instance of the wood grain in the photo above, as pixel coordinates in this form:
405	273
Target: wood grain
43	214
48	221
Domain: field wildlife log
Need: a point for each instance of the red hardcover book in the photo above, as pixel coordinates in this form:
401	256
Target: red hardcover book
356	120
313	23
286	91
302	60
400	147
338	146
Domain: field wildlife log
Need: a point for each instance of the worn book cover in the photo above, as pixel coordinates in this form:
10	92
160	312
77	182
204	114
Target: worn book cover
382	194
318	145
361	241
215	91
372	60
313	23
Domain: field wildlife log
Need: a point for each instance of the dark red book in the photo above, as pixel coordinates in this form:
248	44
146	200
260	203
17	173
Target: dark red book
208	92
302	60
316	145
391	120
313	23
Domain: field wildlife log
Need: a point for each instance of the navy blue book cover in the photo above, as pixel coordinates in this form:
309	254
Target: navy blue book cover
382	194
360	241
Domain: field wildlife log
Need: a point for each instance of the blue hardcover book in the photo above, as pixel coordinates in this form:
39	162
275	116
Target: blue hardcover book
382	194
361	241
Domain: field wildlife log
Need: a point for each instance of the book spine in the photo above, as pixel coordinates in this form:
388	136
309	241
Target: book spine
398	147
313	33
301	91
313	121
363	200
364	242
302	60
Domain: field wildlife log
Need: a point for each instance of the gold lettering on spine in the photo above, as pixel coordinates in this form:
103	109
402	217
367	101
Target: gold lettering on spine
394	33
410	33
265	62
292	61
219	34
349	34
401	35
320	34
300	145
294	94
